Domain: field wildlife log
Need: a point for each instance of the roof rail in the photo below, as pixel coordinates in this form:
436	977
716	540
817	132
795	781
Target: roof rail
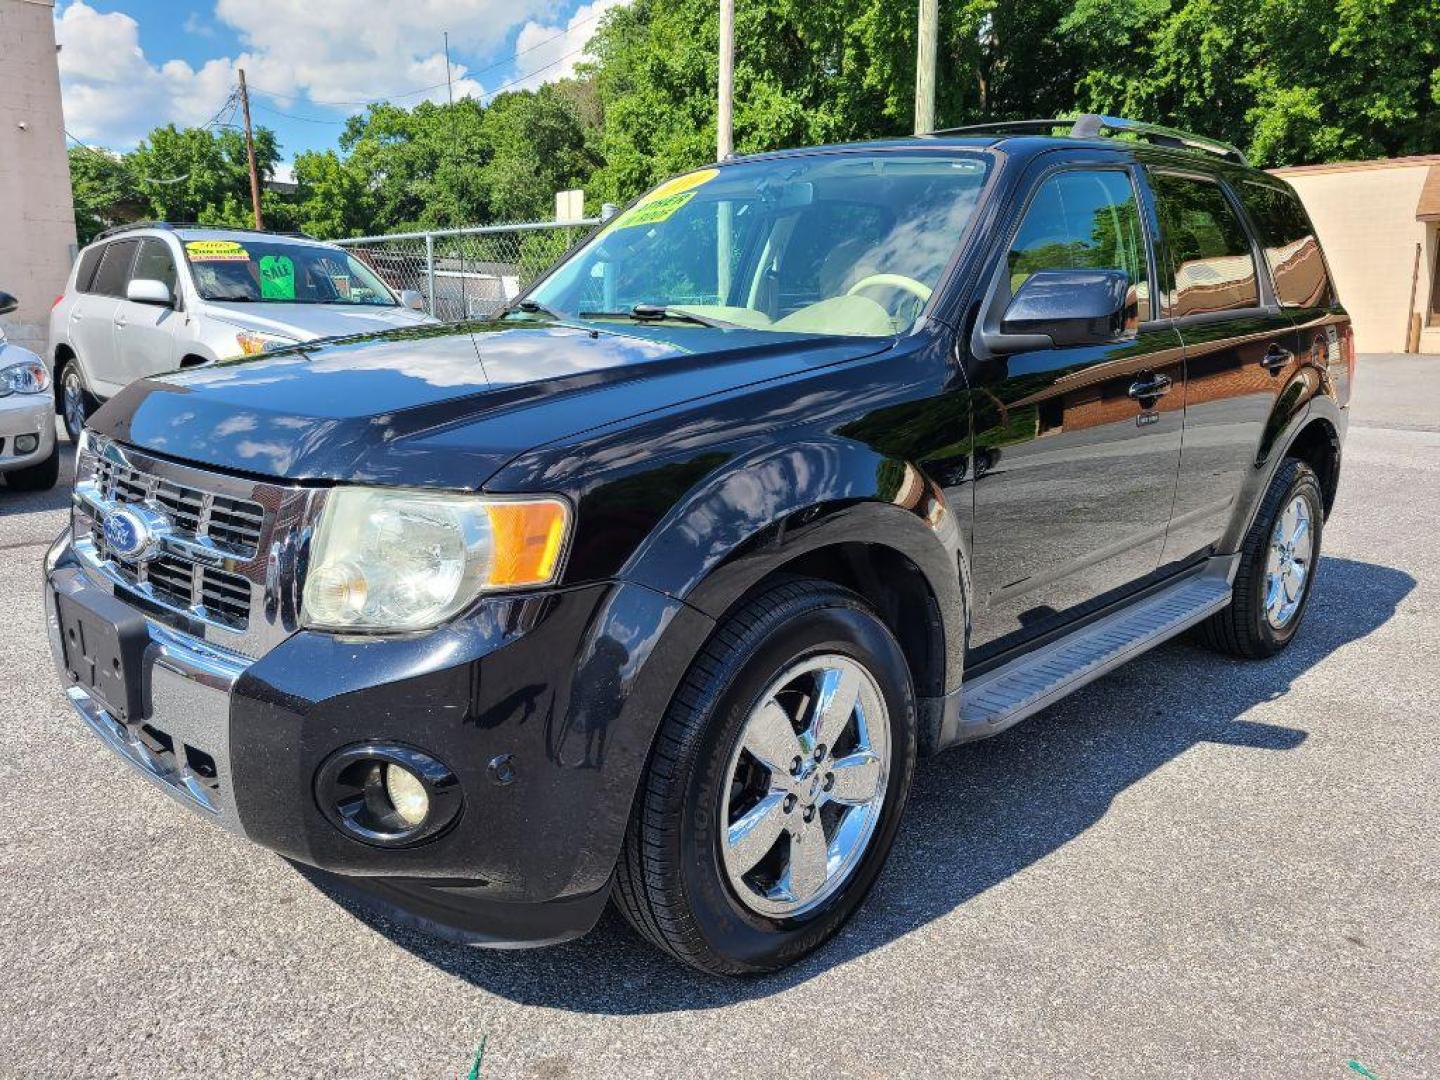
1093	125
171	226
131	226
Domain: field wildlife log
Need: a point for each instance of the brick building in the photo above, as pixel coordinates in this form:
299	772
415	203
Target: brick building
37	217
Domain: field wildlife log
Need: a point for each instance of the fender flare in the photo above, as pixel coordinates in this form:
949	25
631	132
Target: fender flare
764	511
1302	402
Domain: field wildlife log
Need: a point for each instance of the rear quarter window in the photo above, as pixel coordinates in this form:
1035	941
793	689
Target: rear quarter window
1292	248
89	261
114	272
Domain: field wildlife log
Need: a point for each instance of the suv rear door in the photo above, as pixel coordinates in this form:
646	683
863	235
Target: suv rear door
145	333
1075	464
1240	346
92	318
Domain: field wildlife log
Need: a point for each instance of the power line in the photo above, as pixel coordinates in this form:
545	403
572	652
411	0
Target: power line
436	86
303	119
227	106
488	95
117	161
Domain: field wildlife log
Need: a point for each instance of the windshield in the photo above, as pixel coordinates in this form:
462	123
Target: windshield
262	271
842	243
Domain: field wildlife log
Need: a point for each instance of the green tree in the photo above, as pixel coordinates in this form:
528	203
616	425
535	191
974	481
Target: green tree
105	191
194	174
1290	81
335	198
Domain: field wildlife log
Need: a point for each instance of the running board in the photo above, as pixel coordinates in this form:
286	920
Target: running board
996	700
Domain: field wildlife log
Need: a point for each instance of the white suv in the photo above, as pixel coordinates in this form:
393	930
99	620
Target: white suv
146	299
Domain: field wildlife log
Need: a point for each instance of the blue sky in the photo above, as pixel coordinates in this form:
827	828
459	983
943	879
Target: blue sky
129	65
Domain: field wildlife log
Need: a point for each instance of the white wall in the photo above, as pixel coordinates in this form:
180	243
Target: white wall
37	221
1365	214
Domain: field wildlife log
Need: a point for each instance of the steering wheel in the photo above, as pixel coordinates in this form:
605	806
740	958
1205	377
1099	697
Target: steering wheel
918	289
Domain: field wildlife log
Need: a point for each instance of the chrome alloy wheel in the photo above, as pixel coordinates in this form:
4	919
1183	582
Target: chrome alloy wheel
1288	566
73	402
805	786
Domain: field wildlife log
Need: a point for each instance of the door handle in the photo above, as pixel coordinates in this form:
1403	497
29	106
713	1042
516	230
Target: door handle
1152	388
1276	357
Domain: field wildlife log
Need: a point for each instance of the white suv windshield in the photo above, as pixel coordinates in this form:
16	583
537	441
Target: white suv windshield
840	243
260	271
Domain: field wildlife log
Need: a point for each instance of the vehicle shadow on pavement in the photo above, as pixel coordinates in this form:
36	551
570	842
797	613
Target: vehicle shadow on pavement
978	814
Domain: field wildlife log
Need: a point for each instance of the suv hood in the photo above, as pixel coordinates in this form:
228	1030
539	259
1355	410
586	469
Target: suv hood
305	322
443	406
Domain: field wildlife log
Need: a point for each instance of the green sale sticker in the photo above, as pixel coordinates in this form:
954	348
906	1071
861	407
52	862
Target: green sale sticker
277	278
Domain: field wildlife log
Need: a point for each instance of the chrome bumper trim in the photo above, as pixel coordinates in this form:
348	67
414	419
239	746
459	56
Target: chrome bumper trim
180	782
190	687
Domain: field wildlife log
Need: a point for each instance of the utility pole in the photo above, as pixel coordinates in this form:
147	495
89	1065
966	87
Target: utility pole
925	55
725	147
724	136
250	153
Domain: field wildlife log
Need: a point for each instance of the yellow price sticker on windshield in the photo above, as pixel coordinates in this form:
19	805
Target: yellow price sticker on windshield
660	204
216	251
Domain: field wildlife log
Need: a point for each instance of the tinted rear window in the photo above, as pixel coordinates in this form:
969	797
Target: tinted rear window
114	269
89	260
1213	260
1291	247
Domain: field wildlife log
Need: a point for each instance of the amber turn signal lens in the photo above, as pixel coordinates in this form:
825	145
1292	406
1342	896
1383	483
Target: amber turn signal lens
528	539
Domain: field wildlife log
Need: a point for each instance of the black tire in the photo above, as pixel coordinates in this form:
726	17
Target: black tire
41	477
670	883
88	403
1243	629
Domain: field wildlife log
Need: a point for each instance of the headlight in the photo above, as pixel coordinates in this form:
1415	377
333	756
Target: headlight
253	343
408	560
26	377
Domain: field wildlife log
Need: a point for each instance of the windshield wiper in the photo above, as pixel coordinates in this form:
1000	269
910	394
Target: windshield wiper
535	307
659	313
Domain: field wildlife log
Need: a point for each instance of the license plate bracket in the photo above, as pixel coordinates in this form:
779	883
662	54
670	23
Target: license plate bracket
104	643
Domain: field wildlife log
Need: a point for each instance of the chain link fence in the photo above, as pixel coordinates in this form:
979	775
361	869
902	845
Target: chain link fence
469	273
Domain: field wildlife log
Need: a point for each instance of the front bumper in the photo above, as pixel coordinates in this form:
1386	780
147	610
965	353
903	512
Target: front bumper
26	414
564	689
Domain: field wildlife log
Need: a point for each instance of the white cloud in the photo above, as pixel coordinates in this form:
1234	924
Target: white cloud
113	94
342	51
356	50
548	53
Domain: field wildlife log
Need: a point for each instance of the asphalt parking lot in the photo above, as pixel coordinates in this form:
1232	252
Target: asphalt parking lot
1194	867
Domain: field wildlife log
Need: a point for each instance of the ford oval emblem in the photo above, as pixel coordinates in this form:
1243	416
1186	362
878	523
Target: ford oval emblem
131	532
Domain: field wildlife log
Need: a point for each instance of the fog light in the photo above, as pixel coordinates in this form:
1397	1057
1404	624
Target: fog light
386	794
26	444
407	794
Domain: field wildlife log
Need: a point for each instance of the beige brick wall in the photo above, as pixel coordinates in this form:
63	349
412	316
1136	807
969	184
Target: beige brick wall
37	222
1365	214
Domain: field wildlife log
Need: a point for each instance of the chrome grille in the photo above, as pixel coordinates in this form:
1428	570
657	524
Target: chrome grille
228	560
232	524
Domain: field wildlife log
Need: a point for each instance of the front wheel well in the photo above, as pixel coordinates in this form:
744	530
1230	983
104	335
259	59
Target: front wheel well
898	592
1318	445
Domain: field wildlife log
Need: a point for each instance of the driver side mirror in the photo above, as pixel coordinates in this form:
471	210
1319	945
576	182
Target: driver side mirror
413	299
1056	308
149	291
8	303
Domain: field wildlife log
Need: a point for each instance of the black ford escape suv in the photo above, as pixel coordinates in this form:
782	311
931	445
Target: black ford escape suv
655	588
